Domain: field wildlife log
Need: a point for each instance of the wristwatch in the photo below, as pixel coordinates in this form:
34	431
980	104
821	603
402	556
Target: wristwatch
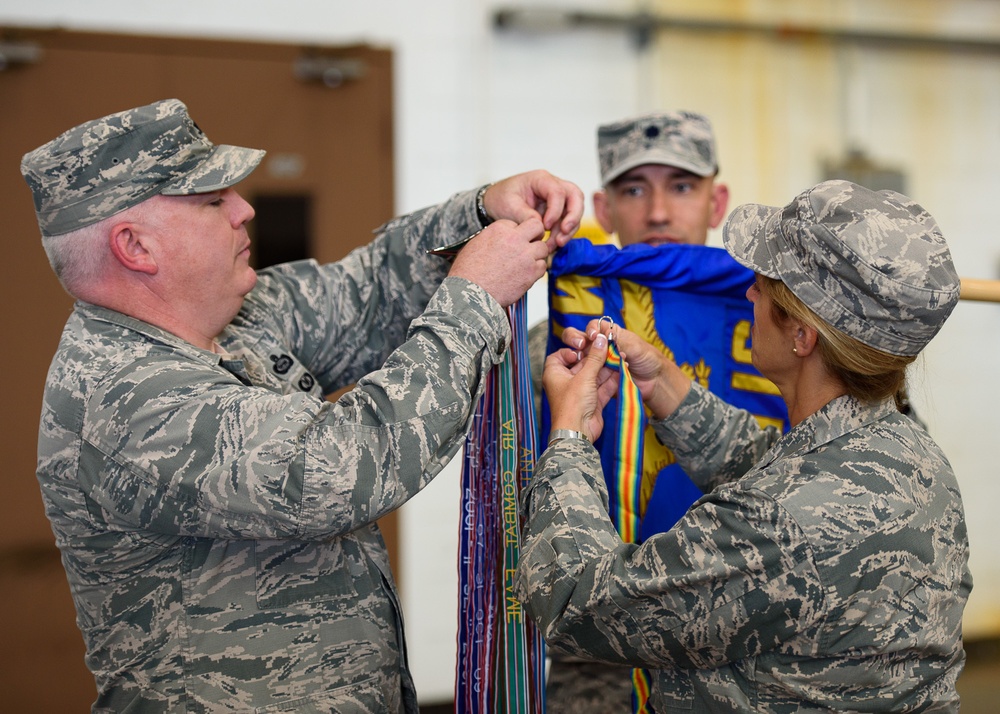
484	218
560	434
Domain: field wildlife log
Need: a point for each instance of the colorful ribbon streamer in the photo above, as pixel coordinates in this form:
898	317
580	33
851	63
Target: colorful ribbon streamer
501	655
690	302
625	483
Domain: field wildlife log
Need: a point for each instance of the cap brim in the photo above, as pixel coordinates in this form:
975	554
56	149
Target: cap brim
662	158
225	166
750	235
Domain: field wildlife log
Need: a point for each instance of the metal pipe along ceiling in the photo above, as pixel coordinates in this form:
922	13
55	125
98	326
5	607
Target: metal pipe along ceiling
642	25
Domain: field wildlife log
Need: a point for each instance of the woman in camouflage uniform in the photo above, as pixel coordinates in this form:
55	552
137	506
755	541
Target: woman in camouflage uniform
826	569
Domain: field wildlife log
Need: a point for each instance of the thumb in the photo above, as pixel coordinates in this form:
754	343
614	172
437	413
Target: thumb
597	355
531	227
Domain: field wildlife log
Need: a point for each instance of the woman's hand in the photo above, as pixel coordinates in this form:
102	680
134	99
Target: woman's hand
578	385
661	382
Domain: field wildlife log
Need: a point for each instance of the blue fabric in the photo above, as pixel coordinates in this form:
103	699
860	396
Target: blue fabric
698	296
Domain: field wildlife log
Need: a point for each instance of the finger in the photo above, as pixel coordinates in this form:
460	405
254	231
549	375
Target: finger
542	250
552	243
559	238
516	205
600	326
596	357
591	329
531	229
606	391
555	202
572	214
565	357
574	338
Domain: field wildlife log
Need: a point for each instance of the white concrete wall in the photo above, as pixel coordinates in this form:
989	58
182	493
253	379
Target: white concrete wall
782	107
474	104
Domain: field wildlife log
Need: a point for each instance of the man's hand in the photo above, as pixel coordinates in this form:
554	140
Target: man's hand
505	259
558	204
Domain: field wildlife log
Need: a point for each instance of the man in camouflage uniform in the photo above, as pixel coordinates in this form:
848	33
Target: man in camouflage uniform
216	514
658	187
658	179
828	568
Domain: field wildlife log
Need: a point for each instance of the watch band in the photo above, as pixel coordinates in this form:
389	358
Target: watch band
560	434
484	217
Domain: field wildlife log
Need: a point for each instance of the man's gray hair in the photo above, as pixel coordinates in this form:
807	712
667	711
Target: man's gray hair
79	257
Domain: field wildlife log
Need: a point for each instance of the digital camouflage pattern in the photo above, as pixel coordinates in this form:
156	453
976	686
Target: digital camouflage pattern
216	515
574	685
682	139
579	686
872	264
830	577
102	167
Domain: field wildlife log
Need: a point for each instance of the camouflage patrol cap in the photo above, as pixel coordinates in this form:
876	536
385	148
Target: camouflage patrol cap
104	166
872	264
681	139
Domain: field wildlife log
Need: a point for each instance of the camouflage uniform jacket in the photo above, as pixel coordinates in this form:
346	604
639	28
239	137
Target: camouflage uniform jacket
216	515
831	577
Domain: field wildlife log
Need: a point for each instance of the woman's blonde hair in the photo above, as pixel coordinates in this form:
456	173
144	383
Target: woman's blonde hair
868	374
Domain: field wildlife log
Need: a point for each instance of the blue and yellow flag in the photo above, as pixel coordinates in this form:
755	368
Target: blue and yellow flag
688	300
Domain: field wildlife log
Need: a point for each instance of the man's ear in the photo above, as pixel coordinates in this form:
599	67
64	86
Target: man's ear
129	248
602	212
720	202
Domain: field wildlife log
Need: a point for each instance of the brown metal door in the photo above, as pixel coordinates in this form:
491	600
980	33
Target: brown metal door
325	116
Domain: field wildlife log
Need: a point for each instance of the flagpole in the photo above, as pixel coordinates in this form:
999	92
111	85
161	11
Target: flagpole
982	290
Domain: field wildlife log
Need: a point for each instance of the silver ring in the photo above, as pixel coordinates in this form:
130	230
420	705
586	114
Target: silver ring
611	329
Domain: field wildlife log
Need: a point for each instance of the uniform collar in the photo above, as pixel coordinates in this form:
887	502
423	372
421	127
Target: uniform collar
832	421
150	332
